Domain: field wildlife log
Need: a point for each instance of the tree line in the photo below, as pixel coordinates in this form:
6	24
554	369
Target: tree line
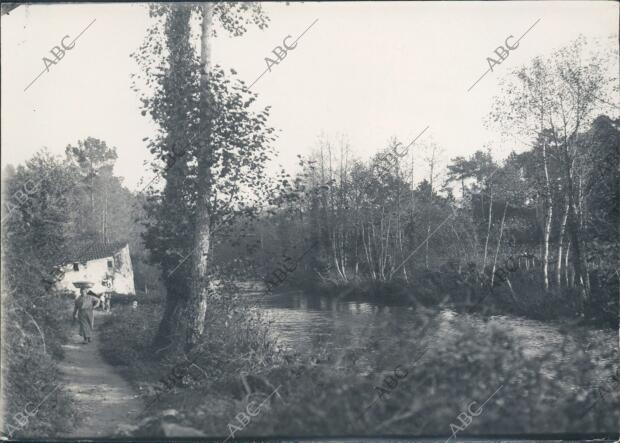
372	221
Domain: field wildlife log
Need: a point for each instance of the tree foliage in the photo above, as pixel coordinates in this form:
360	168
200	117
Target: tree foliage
213	144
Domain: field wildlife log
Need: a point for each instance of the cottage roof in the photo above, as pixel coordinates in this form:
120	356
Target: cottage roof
96	250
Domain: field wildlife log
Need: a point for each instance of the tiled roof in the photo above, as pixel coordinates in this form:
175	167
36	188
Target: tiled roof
96	250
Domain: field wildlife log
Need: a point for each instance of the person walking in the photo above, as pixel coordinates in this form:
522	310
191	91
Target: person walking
83	312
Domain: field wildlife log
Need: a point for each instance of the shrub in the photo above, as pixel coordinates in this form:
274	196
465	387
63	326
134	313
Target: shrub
35	325
327	391
236	341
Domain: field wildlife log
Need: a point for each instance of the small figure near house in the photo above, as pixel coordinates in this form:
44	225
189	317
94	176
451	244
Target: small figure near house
106	299
83	310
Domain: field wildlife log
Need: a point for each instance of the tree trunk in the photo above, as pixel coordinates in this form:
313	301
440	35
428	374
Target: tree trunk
197	303
573	230
499	243
92	191
566	268
486	242
547	235
579	268
169	325
175	275
104	221
548	219
558	275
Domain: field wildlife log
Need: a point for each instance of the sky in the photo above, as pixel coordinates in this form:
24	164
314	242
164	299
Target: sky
364	71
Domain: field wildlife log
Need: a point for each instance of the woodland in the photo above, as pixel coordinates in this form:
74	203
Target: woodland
533	234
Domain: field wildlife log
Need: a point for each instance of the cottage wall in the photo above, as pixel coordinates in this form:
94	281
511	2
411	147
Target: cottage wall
123	273
97	270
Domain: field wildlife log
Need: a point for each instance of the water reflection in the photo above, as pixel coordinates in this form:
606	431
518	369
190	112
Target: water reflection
359	329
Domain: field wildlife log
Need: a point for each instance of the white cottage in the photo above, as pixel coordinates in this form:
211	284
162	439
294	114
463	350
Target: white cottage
108	266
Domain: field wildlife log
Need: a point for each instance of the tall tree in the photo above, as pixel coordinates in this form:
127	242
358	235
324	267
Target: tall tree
460	170
214	148
95	161
202	232
557	97
433	152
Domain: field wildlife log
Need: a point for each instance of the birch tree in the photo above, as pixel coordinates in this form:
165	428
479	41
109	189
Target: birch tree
558	96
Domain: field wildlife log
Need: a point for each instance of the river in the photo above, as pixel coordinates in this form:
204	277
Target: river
364	332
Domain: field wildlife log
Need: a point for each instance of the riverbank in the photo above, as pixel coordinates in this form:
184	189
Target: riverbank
518	293
361	387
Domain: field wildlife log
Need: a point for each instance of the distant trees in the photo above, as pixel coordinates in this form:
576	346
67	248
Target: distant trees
71	203
365	217
94	161
373	223
552	203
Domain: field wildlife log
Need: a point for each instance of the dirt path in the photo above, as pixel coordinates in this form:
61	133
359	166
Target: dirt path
104	399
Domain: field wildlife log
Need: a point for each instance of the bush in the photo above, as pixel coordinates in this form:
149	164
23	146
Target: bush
330	398
327	392
35	325
126	339
236	341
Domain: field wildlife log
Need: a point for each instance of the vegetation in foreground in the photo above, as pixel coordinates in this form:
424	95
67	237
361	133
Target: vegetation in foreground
35	325
53	207
557	201
326	393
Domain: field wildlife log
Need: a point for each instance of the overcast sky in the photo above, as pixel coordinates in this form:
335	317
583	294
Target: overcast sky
368	71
